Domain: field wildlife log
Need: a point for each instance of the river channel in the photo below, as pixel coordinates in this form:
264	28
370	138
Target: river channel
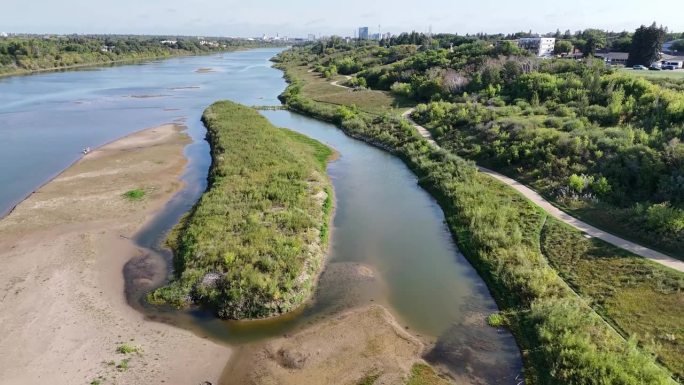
383	220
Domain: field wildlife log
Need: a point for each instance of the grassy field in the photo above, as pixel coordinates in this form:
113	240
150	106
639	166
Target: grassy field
640	298
319	89
617	221
254	243
676	74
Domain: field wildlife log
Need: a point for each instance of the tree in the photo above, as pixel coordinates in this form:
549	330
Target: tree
623	43
576	183
646	45
592	40
678	45
562	47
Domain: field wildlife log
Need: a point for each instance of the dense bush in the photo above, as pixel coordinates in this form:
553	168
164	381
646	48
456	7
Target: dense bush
254	243
630	143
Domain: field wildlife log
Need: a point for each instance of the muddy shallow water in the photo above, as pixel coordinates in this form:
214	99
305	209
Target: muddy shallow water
384	225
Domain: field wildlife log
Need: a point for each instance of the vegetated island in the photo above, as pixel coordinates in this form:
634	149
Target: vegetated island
253	245
562	337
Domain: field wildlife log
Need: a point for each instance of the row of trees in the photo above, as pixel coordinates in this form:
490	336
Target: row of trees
32	53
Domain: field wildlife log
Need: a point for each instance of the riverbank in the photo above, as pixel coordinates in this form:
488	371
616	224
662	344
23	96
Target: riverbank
63	315
25	72
361	346
104	60
499	232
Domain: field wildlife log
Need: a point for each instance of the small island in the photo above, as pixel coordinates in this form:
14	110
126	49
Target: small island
254	244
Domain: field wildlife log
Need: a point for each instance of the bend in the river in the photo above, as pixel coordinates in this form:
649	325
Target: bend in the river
383	221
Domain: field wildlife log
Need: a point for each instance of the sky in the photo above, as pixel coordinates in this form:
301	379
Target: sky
296	18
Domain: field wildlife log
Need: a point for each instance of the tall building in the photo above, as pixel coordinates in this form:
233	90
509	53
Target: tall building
540	46
363	33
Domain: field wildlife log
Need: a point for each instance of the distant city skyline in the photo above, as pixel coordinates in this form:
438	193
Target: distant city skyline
303	17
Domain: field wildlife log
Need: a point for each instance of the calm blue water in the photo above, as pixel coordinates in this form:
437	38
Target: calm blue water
47	119
383	220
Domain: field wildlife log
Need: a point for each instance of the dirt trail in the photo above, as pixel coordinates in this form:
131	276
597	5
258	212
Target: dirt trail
336	83
552	210
62	307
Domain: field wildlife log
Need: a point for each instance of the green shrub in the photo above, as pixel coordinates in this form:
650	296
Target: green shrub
496	320
402	89
134	195
127	349
665	219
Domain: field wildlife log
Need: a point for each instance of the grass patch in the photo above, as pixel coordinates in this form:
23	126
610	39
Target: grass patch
319	89
422	374
255	241
123	365
640	298
134	195
496	320
620	221
677	74
369	379
128	349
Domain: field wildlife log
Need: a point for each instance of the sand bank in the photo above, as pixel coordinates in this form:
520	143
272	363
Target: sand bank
62	307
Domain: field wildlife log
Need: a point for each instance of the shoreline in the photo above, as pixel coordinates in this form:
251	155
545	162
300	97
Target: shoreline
64	313
74	163
113	63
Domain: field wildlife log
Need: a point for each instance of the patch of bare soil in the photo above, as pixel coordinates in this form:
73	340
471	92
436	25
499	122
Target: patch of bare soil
343	350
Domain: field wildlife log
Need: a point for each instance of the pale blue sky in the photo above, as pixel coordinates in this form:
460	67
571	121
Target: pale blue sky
300	17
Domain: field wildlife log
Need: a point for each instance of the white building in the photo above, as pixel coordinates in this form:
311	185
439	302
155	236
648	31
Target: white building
540	46
3	34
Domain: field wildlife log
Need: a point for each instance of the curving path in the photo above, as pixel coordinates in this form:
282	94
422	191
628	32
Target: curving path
336	83
552	210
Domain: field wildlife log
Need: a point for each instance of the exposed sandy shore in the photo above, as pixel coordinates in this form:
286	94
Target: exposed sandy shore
344	350
62	307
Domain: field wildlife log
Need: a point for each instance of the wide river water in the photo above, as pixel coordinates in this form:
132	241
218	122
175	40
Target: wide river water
383	220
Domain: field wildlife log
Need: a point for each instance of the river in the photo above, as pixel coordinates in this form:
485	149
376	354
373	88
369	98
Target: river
383	219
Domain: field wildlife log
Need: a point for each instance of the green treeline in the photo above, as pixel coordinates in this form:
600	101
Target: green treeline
563	340
604	144
253	245
26	54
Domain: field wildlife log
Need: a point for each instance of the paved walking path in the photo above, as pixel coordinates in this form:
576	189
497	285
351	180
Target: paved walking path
552	210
